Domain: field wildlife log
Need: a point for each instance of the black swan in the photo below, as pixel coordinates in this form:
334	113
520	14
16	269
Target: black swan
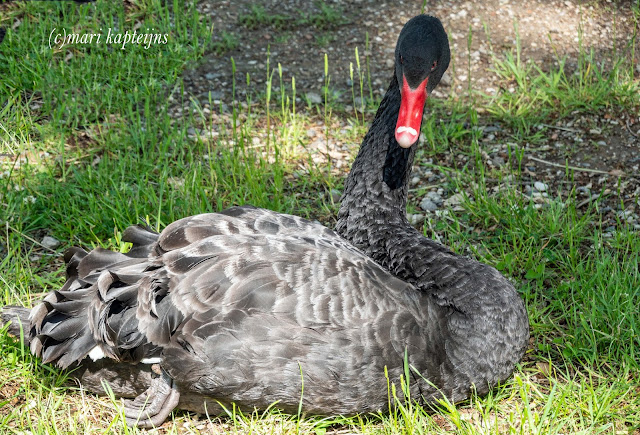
247	305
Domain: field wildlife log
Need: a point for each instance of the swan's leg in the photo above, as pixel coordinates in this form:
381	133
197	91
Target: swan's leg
151	408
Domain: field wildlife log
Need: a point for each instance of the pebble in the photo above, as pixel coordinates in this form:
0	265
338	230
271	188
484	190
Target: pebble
50	242
427	205
454	200
336	195
214	95
584	190
540	186
435	198
445	80
415	219
491	129
314	98
624	214
497	161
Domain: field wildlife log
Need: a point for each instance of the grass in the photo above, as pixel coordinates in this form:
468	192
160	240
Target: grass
88	147
228	41
324	17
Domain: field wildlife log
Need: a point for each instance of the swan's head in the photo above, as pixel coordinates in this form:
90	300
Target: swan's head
422	57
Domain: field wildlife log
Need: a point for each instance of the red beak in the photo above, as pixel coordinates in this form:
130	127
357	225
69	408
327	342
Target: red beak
410	115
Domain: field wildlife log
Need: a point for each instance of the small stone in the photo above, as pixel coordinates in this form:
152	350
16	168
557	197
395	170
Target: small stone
213	95
624	214
616	173
311	132
50	242
427	205
491	129
335	195
544	368
498	161
415	219
445	80
454	200
536	194
314	98
415	180
435	198
540	186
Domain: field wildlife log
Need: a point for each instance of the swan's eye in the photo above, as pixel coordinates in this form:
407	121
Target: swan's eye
435	64
401	60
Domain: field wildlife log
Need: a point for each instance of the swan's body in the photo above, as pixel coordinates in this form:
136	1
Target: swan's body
245	305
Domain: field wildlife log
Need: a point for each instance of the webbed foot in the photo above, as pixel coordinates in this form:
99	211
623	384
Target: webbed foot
151	408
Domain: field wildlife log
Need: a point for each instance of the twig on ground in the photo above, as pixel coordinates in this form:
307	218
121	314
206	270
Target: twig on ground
574	168
629	128
572	130
582	203
9	227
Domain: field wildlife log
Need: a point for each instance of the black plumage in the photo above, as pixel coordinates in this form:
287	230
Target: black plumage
245	305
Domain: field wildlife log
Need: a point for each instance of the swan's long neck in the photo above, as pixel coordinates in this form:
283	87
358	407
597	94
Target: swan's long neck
375	194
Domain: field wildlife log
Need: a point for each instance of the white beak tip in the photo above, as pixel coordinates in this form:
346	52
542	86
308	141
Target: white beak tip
406	136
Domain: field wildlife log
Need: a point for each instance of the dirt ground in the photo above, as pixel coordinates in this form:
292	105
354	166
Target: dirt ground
547	29
604	148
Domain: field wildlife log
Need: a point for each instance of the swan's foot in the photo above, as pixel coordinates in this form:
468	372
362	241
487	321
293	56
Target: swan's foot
151	408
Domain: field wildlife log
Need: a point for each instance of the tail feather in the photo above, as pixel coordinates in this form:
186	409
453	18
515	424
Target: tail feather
95	307
143	239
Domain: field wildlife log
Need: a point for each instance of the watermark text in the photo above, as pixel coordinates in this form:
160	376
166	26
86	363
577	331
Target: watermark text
61	37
